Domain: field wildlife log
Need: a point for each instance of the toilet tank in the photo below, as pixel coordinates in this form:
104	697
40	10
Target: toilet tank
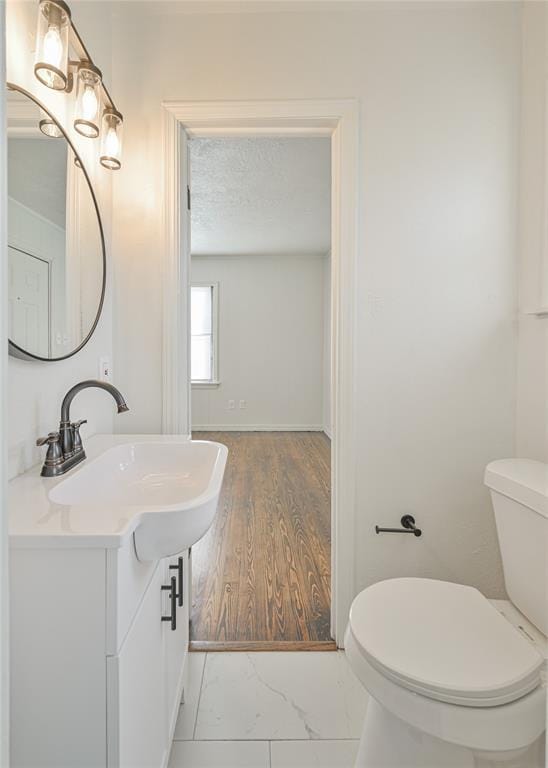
519	492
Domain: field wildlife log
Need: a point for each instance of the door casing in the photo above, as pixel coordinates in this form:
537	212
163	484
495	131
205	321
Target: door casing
337	119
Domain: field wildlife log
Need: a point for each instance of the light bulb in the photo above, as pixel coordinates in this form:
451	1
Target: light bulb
89	103
111	143
53	53
53	46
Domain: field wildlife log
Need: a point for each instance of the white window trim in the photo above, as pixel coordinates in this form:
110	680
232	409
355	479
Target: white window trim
214	381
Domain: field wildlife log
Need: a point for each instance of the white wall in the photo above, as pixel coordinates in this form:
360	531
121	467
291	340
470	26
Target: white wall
37	176
438	85
4	599
532	413
36	389
270	343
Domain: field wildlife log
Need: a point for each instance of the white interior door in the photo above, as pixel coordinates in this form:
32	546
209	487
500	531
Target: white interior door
28	301
176	352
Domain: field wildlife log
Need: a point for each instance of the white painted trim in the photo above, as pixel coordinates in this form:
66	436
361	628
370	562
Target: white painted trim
175	342
205	384
257	428
22	118
277	256
337	118
543	266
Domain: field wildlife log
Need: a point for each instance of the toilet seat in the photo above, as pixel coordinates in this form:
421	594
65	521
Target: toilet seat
502	729
443	641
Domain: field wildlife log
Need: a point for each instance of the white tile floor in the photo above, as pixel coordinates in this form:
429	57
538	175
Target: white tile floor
269	710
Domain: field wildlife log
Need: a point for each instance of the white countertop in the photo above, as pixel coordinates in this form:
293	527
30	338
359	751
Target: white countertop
37	522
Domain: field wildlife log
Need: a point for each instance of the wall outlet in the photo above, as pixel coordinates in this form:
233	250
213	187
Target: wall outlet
105	373
231	405
243	404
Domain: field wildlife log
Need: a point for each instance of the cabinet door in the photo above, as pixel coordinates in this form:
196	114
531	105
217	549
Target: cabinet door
175	641
136	707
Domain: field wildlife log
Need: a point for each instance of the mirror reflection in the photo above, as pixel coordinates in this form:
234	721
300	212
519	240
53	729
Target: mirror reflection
55	242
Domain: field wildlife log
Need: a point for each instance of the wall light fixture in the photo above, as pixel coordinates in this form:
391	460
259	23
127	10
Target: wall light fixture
52	41
88	100
64	64
111	139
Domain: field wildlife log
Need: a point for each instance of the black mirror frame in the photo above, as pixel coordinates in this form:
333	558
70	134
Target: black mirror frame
15	350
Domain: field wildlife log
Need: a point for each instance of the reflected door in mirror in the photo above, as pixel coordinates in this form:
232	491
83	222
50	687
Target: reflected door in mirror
55	239
29	313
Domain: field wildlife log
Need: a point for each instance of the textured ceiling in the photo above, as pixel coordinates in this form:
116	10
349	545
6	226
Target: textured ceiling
261	196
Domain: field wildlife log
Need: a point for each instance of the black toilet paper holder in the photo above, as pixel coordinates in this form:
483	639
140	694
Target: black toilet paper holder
408	523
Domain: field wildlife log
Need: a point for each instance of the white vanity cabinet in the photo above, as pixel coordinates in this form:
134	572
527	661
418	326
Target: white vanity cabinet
97	663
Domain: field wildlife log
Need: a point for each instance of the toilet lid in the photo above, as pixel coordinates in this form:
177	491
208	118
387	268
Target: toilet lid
444	641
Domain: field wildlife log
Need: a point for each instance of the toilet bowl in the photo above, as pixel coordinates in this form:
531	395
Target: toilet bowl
456	680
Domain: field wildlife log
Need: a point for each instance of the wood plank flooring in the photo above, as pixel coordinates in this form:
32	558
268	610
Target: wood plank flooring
262	574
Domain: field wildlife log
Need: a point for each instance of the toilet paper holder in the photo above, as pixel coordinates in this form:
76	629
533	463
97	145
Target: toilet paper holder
408	526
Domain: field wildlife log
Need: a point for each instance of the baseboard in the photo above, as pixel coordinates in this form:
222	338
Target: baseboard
327	432
257	428
216	646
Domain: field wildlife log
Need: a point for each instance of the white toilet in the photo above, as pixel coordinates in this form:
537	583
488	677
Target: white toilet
454	678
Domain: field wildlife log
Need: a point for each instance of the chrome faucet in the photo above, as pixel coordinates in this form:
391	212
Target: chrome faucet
65	449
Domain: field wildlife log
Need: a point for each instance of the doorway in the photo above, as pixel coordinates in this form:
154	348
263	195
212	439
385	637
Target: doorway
260	375
338	120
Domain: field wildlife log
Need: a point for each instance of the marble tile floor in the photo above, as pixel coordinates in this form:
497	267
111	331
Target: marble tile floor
269	710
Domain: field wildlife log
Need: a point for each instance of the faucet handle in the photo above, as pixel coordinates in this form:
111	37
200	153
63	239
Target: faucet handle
53	437
76	439
54	455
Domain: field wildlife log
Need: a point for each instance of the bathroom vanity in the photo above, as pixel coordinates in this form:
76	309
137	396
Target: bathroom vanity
99	637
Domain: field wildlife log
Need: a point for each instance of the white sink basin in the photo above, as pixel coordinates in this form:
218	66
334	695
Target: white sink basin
172	488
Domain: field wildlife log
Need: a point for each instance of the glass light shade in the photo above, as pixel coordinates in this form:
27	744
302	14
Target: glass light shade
111	139
48	126
51	66
88	100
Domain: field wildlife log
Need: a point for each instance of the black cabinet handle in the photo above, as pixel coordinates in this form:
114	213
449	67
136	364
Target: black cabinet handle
172	586
179	569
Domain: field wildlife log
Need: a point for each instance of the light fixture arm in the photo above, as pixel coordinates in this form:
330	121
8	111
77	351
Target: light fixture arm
79	48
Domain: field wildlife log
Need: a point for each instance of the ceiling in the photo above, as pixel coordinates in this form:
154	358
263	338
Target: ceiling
176	7
261	196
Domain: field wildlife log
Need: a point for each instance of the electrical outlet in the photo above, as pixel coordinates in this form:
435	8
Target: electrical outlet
231	405
243	404
105	373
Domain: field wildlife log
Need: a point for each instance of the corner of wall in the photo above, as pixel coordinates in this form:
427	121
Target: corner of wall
532	355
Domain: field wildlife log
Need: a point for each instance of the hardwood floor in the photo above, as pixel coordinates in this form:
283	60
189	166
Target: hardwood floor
262	574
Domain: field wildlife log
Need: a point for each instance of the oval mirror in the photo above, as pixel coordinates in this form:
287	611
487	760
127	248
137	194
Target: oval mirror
56	248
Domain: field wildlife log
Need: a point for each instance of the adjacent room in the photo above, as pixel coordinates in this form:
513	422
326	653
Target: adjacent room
260	367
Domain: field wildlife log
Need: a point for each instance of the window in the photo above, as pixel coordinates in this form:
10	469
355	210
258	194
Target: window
203	333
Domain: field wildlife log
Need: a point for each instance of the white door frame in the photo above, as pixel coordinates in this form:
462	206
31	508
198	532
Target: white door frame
327	117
